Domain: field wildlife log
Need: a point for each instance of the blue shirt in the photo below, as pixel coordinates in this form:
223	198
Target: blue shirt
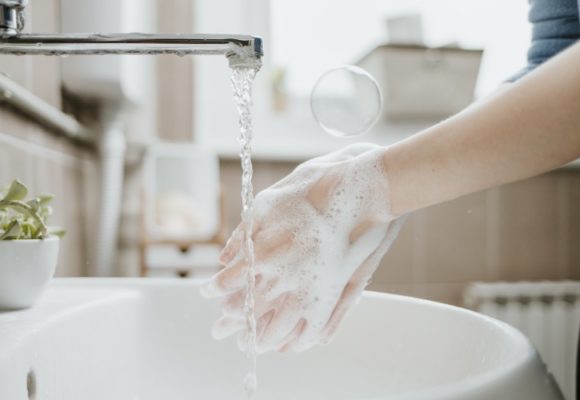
555	26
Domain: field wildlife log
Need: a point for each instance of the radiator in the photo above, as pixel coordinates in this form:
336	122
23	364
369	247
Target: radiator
548	313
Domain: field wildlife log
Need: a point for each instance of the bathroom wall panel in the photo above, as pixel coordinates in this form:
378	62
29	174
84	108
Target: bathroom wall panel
44	72
15	68
43	16
398	264
45	80
128	261
450	293
15	165
574	226
175	75
528	233
394	288
75	242
457	253
565	214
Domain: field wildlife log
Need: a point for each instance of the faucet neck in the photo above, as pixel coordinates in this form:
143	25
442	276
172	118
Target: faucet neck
12	17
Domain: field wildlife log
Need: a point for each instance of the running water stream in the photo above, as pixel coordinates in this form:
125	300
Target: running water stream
242	80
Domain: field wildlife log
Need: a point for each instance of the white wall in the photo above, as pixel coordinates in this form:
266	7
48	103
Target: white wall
309	37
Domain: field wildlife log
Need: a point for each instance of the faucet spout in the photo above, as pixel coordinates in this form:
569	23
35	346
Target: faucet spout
11	17
238	48
247	56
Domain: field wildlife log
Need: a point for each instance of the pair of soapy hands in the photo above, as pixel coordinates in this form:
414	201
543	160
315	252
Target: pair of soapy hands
319	235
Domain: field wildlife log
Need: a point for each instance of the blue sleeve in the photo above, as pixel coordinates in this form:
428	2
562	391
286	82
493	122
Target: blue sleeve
555	26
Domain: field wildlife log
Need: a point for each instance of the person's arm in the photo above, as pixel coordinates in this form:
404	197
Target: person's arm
320	233
529	128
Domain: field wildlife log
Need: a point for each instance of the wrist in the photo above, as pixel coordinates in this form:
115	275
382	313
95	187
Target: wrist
389	156
401	171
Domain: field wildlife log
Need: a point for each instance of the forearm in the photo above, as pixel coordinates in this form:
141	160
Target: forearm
529	128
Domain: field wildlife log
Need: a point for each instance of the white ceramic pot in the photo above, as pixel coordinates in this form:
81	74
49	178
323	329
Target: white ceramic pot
26	267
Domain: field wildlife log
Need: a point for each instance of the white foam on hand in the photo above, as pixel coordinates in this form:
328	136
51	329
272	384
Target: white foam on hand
319	235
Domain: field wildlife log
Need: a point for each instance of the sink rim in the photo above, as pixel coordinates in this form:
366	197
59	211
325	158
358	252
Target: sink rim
130	288
526	355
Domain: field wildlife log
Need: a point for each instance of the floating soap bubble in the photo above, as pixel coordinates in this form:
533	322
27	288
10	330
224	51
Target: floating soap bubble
346	101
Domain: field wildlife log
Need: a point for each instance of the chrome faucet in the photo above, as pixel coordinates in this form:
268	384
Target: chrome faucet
241	50
11	17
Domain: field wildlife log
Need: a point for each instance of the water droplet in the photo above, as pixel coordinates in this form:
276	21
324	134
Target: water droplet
250	384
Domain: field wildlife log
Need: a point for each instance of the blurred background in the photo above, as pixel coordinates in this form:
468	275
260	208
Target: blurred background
159	192
433	51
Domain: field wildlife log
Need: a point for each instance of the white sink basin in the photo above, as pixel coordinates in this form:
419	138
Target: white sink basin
129	339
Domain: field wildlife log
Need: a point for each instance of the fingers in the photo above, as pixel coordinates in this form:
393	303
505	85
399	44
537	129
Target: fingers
279	327
263	321
360	229
234	317
320	194
231	324
286	344
235	242
233	277
234	304
273	289
306	338
268	291
232	247
350	295
227	326
272	241
243	341
260	324
227	281
370	264
353	290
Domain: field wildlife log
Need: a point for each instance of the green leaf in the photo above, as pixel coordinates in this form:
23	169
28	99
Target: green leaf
34	203
44	199
13	231
41	203
16	191
29	230
25	211
21	219
56	231
45	212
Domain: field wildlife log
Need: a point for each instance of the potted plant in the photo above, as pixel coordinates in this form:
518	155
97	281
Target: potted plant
28	247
